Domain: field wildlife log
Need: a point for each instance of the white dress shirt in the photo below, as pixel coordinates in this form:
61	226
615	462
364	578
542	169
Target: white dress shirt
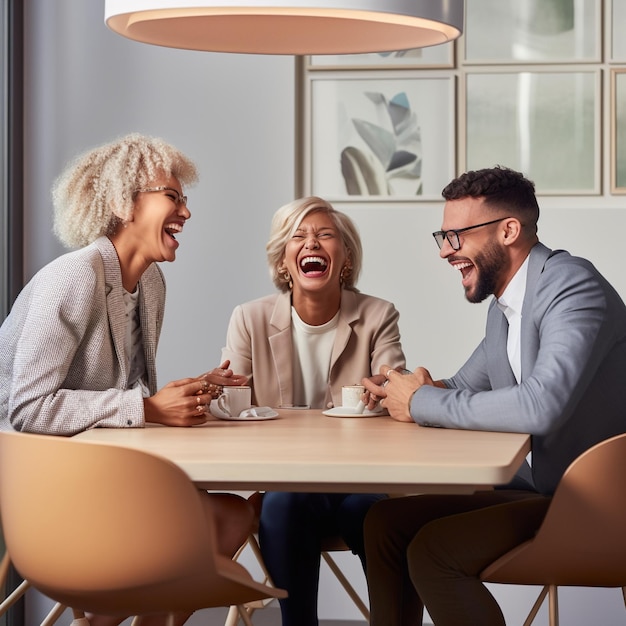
510	303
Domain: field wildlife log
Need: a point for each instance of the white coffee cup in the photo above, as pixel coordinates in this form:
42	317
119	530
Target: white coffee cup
351	395
234	400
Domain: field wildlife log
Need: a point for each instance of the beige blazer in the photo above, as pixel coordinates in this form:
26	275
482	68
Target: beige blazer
259	345
63	366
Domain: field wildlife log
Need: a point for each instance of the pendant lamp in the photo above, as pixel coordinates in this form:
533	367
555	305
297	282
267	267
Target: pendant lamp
282	27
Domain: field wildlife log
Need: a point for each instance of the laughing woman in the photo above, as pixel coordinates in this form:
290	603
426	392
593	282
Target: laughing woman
78	349
299	347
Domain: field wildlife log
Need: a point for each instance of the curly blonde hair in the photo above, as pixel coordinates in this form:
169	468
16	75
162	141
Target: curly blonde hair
96	191
285	223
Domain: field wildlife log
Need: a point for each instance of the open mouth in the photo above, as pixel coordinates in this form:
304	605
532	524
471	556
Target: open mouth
173	229
313	265
465	267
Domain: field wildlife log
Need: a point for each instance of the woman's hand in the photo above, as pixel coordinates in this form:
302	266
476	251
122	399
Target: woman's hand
373	391
180	403
223	375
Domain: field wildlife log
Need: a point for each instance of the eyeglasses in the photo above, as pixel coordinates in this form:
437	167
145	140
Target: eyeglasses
453	235
176	196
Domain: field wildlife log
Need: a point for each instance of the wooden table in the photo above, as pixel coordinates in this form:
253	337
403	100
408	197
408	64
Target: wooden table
307	451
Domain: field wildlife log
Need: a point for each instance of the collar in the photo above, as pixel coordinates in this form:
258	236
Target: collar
513	296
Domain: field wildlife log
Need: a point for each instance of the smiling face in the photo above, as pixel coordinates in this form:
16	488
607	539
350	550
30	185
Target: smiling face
315	256
158	218
159	215
483	259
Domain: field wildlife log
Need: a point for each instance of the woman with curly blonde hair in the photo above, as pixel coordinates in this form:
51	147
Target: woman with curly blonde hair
78	348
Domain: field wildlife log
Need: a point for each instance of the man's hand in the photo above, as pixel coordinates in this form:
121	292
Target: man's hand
397	390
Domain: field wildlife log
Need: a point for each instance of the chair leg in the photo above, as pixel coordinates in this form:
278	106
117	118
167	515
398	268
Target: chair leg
232	618
57	610
245	615
554	606
19	591
14	596
244	611
347	586
538	602
624	595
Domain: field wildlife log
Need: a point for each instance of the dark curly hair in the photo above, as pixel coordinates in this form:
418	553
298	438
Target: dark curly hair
504	190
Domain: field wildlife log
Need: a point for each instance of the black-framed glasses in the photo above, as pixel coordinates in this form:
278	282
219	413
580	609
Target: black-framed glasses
176	196
453	235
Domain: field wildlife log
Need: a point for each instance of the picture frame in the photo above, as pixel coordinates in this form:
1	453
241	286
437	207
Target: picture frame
544	123
374	136
431	57
532	31
617	44
618	131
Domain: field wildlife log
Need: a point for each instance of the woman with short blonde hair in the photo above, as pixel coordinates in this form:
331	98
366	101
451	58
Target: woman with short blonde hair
287	219
299	347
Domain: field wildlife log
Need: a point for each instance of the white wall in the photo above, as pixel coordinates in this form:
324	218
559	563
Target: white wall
234	115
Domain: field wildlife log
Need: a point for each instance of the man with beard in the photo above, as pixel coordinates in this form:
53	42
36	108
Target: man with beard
552	364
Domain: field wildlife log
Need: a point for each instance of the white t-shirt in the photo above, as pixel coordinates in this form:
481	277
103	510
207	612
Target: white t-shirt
312	348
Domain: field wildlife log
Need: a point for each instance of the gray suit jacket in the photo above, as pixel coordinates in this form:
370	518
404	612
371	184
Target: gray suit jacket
63	366
573	354
259	345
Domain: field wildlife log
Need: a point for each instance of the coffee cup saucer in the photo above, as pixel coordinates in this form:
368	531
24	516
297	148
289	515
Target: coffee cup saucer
346	411
253	414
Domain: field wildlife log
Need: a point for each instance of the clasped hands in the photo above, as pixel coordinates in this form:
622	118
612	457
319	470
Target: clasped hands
183	402
394	390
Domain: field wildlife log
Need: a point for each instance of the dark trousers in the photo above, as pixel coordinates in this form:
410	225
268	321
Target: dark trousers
291	528
430	549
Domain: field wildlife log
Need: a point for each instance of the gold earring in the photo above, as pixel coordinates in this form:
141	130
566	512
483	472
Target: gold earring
286	276
346	270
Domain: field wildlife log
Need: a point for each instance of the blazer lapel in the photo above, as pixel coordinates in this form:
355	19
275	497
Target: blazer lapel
529	344
115	301
347	315
281	346
148	318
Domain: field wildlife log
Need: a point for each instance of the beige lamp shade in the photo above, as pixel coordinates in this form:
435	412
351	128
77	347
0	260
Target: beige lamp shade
296	27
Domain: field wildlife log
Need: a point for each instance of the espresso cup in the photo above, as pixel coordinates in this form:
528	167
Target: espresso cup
234	400
351	395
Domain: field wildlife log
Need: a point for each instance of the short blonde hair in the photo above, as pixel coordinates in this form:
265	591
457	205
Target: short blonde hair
285	223
97	189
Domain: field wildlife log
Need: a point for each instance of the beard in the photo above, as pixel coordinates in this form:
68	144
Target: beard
489	266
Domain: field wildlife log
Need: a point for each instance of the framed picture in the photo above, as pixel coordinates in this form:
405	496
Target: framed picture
377	135
618	41
441	56
543	123
618	131
532	31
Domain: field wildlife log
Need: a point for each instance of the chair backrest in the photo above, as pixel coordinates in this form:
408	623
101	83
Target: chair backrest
582	540
110	529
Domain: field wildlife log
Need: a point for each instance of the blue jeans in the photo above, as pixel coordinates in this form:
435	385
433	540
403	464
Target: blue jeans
290	531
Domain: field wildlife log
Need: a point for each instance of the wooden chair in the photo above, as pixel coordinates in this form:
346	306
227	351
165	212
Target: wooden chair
112	530
582	540
329	545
